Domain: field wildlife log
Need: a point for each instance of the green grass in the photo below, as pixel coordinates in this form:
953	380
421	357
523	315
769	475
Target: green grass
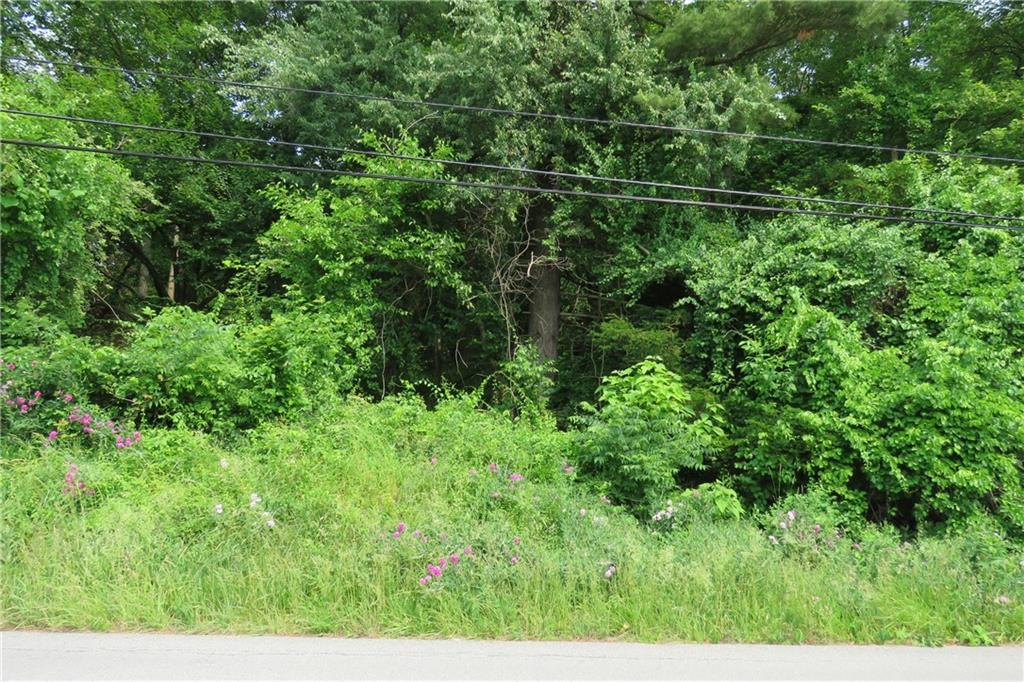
148	552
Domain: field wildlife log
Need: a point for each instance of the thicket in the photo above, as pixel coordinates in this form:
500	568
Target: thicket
720	360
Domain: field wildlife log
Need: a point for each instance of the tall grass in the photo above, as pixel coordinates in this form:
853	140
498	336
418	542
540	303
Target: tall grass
150	551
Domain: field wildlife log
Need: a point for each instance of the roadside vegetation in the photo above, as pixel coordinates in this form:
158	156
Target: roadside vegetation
260	399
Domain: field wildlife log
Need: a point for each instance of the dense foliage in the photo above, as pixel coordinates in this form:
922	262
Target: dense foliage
738	356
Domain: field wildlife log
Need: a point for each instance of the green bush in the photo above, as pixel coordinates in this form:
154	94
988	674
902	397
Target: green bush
706	503
183	368
643	432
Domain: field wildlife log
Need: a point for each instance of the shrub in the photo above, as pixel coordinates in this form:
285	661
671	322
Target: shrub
707	502
183	368
643	432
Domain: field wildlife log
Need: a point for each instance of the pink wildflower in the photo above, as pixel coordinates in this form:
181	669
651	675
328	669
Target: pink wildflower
493	467
433	461
20	400
136	436
514	560
417	534
424	580
52	436
568	469
516	540
68	397
396	534
434	570
400	528
24	408
453	559
37	395
10	365
468	551
444	562
86	429
515	478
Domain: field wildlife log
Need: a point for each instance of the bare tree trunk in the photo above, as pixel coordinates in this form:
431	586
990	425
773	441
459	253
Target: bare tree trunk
174	260
546	294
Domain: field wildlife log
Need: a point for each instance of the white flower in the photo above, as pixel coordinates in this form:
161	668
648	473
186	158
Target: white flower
271	523
223	463
254	500
782	525
774	540
218	508
583	512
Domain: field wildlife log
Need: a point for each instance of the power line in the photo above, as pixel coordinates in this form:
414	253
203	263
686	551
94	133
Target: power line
501	186
512	112
514	169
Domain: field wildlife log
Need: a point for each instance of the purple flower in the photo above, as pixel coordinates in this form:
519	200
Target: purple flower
514	560
424	580
468	551
396	534
37	395
24	408
515	478
434	570
68	397
52	436
400	528
444	562
453	559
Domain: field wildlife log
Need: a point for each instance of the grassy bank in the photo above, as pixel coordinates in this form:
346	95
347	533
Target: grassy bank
328	526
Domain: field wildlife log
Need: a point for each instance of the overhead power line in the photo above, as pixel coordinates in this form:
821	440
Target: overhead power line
513	169
501	186
433	104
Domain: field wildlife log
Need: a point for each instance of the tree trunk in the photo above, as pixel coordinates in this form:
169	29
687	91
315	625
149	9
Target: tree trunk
174	260
545	298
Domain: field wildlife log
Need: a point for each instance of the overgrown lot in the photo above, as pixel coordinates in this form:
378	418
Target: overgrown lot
331	524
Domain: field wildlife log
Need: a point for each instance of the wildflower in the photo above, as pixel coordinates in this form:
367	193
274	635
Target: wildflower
516	540
35	363
610	571
444	562
424	580
52	436
817	528
568	469
472	472
583	512
120	442
416	534
396	534
400	528
515	478
86	430
783	525
68	397
791	514
136	436
433	461
604	498
453	559
856	545
1002	600
9	401
434	570
514	560
223	463
10	365
20	400
86	419
271	523
496	494
254	500
37	395
218	508
772	539
24	408
493	467
468	551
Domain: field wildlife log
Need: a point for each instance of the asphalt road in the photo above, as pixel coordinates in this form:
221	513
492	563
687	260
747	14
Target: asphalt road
54	655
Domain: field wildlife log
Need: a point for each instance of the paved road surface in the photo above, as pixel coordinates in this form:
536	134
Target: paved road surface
52	655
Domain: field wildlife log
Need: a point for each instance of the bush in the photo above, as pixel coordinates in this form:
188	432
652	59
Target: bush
706	503
643	432
183	368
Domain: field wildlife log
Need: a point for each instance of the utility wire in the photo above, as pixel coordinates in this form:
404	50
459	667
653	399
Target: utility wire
512	112
500	186
513	169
